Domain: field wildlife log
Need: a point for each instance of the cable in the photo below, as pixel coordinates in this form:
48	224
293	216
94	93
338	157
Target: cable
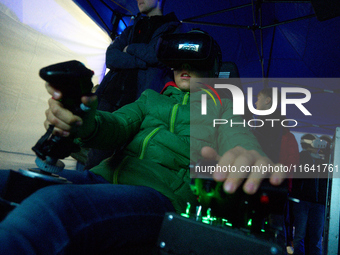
122	7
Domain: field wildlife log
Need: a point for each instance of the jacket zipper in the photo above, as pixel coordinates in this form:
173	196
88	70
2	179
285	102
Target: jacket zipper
173	118
145	142
185	99
174	112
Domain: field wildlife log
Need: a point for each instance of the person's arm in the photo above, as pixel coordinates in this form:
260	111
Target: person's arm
97	129
115	129
117	58
147	51
65	121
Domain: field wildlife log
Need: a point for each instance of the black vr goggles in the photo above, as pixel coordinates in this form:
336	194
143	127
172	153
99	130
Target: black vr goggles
197	49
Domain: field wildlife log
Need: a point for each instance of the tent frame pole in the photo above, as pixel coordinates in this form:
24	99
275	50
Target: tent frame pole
216	12
95	11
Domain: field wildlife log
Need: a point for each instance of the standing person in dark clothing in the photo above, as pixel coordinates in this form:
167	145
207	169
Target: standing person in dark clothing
309	212
133	64
289	156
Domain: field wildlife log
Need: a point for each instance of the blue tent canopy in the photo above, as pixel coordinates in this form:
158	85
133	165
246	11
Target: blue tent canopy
270	39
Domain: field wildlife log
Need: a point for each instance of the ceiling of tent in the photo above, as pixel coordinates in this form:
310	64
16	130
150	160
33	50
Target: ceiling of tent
265	39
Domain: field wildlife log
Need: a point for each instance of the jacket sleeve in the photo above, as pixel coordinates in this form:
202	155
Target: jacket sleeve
116	58
115	129
146	52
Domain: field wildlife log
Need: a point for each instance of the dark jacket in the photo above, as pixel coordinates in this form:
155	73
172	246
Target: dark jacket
311	189
142	56
162	139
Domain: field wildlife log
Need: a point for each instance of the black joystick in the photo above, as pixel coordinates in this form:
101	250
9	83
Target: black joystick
73	80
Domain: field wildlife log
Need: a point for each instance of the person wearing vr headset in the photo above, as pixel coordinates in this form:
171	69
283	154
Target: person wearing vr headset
122	201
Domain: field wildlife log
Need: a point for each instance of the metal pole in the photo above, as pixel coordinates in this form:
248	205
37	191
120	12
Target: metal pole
332	221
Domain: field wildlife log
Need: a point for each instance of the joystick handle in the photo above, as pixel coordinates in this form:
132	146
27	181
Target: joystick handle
73	80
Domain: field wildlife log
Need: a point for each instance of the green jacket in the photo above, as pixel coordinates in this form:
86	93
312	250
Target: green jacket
156	129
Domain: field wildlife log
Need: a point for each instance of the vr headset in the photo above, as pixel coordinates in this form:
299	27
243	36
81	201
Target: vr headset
322	144
317	143
195	48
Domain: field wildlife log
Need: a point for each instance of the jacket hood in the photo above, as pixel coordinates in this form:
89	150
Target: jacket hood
169	84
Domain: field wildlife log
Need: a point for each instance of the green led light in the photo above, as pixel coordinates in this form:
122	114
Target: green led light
225	221
249	222
209	219
262	230
187	210
185	215
206	221
209	213
210	194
